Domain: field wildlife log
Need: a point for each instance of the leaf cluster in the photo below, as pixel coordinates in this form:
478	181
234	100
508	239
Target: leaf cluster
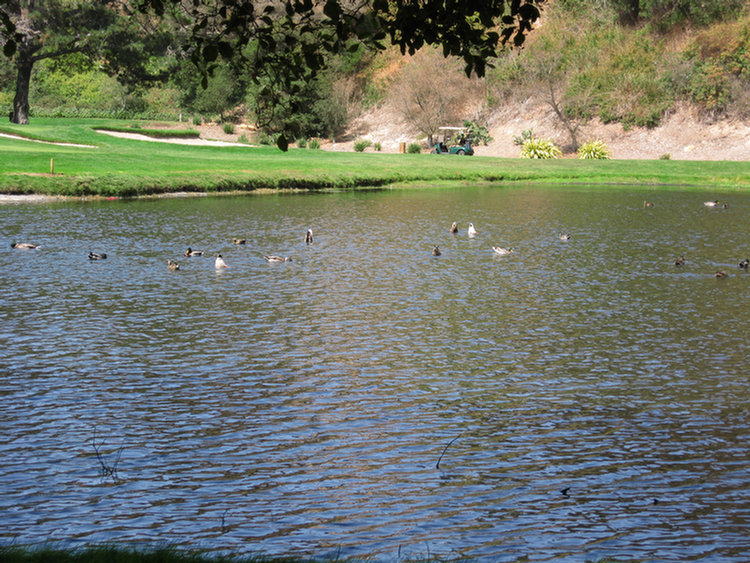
286	43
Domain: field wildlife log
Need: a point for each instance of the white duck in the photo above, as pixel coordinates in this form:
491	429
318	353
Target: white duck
472	232
24	246
219	263
274	258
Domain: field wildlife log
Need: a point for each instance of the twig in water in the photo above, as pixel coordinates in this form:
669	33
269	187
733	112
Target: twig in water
224	520
105	468
445	449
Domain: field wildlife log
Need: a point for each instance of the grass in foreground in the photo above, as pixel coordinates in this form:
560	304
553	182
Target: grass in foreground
113	166
114	554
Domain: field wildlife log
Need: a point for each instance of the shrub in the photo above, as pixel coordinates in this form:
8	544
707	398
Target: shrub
526	135
263	138
478	133
665	156
197	120
594	149
243	139
540	148
301	143
229	128
414	148
313	144
361	145
377	146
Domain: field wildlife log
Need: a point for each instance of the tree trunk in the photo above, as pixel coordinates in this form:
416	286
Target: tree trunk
21	101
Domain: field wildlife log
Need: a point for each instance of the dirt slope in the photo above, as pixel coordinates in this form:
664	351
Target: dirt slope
683	135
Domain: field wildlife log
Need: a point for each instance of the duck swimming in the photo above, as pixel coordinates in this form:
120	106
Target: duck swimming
502	251
744	264
309	236
647	204
191	252
274	258
97	256
172	265
238	241
471	231
24	246
564	236
720	274
436	251
454	228
219	263
713	203
680	261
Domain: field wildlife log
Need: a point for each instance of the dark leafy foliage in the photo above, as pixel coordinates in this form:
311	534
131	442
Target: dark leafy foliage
291	40
302	30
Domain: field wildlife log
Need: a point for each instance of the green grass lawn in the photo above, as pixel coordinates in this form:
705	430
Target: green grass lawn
123	167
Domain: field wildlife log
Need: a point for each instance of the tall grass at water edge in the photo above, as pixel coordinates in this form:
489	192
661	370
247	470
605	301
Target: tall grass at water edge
114	554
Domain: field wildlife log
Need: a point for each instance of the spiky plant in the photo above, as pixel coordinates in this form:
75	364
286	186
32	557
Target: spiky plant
540	148
594	149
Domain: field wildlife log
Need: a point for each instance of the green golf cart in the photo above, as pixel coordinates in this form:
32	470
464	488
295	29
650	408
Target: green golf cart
453	140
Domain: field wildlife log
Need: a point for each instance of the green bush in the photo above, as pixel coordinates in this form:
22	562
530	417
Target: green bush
313	144
197	120
526	135
361	145
414	148
665	156
540	148
263	138
301	143
228	128
594	150
243	139
377	146
479	134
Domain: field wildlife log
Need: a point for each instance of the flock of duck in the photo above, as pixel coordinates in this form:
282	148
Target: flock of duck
173	265
220	263
680	260
472	232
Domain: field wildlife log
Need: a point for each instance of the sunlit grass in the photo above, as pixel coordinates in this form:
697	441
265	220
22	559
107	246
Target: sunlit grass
124	167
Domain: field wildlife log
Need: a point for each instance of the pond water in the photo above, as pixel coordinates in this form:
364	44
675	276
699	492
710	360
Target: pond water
572	401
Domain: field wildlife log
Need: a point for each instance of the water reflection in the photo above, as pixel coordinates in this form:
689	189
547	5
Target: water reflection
302	407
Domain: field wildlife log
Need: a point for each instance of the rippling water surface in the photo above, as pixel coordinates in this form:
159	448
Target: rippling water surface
370	400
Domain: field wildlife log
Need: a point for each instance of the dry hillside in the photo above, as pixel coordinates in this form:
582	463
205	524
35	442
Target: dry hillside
683	135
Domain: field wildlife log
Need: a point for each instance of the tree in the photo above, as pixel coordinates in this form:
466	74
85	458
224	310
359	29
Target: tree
34	30
431	93
290	39
219	96
553	62
47	29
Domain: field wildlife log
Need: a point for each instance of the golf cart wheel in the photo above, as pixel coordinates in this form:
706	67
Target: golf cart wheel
433	151
461	152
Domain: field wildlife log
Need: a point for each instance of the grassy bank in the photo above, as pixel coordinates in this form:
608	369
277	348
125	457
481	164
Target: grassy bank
113	554
111	166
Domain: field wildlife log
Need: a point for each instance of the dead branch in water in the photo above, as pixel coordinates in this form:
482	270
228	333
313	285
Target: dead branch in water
445	449
106	469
